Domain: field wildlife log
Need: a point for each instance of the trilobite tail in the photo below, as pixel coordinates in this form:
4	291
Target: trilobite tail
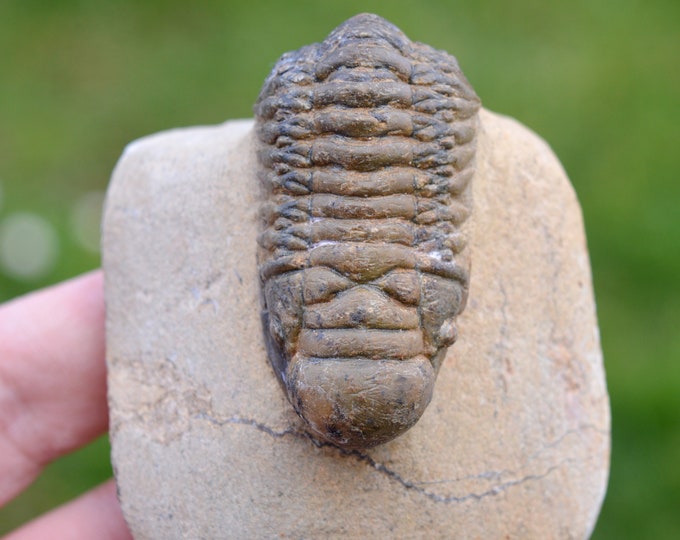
359	402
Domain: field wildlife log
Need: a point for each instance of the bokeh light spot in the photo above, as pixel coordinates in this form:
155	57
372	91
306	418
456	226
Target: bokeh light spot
86	216
28	246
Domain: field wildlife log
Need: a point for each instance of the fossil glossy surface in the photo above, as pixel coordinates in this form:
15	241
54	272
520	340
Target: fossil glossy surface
366	151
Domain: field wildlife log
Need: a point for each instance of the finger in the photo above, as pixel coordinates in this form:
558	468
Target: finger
52	377
96	514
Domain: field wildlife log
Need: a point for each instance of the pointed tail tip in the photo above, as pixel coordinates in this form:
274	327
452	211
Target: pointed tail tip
367	19
371	26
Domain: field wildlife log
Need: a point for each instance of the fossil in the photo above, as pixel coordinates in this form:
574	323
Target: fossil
366	146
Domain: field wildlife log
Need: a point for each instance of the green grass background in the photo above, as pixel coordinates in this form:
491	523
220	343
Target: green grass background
599	80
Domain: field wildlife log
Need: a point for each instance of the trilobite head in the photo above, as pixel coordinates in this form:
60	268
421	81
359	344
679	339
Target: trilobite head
366	152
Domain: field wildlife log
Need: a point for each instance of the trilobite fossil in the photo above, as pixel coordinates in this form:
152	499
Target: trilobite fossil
366	147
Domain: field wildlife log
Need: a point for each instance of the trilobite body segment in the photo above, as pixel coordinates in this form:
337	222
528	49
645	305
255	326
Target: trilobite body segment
366	151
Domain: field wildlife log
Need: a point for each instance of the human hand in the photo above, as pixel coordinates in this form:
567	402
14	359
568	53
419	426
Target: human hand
53	401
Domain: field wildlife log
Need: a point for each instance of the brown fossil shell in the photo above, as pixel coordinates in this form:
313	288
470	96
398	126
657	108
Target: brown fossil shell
366	152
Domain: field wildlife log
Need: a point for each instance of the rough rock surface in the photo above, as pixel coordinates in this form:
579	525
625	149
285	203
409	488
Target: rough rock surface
515	443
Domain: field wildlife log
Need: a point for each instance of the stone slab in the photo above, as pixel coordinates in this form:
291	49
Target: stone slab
515	443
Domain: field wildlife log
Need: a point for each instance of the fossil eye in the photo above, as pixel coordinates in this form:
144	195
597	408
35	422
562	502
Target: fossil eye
366	150
448	333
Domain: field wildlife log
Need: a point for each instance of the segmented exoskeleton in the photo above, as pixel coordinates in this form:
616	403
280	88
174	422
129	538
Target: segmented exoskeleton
366	148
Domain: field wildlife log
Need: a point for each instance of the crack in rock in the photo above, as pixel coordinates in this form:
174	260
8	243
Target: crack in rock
250	422
392	474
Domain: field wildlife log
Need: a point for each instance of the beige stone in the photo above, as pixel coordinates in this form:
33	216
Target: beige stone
515	443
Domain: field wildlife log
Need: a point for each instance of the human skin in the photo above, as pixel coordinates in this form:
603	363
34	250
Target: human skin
53	401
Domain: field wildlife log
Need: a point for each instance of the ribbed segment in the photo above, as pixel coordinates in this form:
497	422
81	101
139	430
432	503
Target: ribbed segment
385	126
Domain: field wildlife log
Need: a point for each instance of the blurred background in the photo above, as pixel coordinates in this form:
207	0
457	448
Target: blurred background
599	80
